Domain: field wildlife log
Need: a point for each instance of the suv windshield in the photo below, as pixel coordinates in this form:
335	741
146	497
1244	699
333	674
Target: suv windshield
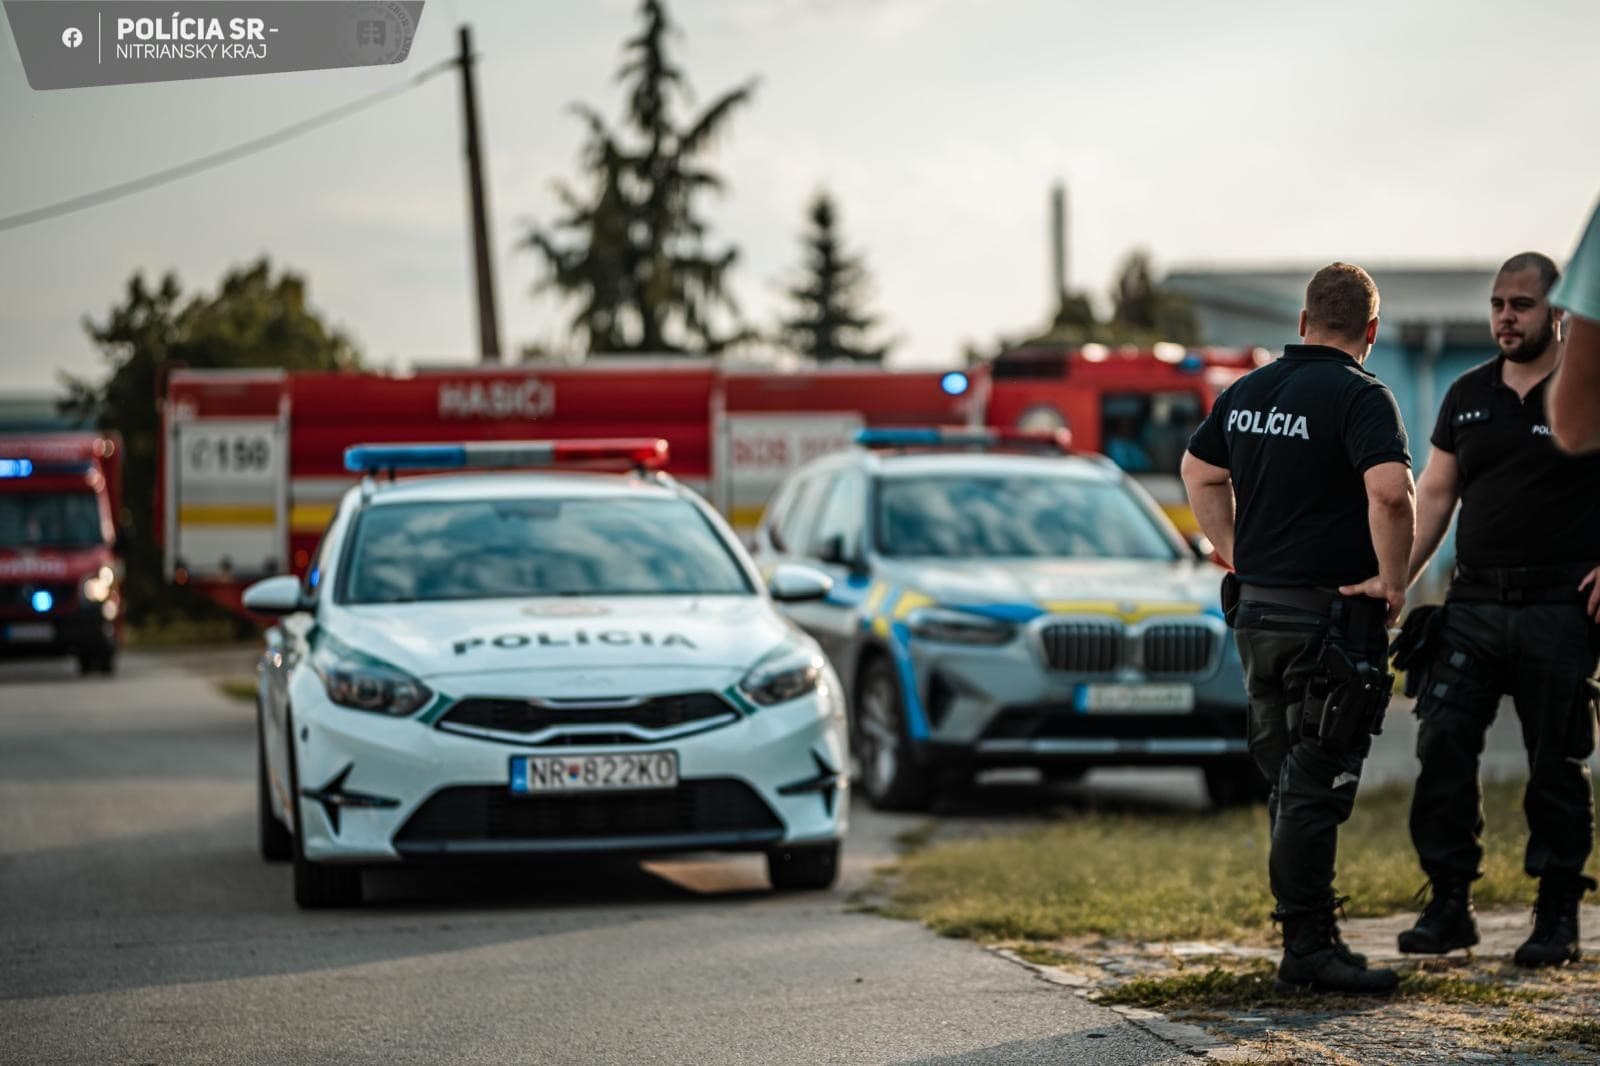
497	549
50	520
1015	516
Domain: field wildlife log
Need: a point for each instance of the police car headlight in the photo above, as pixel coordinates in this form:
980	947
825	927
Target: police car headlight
365	684
97	586
958	627
786	673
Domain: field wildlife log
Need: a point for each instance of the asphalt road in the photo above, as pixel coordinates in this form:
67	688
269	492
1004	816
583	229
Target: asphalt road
138	926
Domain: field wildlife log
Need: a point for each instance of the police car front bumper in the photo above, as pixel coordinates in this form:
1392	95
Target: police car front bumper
1006	705
376	789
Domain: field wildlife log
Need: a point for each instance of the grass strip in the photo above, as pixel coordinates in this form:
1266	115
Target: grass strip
242	689
1250	988
1178	876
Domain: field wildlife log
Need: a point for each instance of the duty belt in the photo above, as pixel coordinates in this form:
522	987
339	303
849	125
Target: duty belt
1315	600
1517	584
1356	618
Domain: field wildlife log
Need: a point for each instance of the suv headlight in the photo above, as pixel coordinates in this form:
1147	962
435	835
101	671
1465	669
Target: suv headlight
362	682
97	586
787	672
958	627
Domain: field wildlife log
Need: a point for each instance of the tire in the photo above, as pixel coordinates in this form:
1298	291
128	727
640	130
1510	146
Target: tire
1064	775
1235	783
806	867
97	661
273	837
890	776
317	885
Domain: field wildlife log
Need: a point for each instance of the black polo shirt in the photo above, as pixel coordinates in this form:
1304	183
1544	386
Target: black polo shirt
1297	435
1523	501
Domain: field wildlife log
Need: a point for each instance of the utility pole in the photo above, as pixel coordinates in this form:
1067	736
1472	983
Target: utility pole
488	319
1058	243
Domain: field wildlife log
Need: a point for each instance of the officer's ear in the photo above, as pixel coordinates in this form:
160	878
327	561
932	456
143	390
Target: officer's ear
1372	333
1302	324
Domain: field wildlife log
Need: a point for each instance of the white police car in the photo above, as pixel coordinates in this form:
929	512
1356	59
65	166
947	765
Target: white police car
494	664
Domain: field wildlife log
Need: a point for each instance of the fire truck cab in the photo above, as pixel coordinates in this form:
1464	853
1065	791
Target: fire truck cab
60	577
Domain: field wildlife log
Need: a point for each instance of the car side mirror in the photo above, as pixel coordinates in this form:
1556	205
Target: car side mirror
275	596
1201	545
797	584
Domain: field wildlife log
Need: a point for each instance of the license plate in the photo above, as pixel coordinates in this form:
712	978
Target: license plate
627	771
1135	699
31	632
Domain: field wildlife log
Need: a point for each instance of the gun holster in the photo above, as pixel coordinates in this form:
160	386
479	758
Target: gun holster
1346	699
1231	590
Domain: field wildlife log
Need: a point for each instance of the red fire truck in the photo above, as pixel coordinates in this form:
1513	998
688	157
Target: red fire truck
252	459
60	578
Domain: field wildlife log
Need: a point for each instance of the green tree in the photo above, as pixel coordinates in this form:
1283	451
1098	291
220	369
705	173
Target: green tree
254	320
1142	312
828	322
632	249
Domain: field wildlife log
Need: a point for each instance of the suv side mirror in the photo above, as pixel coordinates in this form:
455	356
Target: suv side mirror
832	550
1201	545
275	596
796	584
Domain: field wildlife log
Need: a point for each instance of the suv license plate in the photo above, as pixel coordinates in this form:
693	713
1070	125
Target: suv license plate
31	632
1135	699
626	771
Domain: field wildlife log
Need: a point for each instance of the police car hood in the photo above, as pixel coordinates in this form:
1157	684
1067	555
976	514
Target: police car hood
667	636
1040	582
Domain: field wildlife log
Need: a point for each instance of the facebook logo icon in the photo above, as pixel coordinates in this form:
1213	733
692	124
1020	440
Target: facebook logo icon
72	37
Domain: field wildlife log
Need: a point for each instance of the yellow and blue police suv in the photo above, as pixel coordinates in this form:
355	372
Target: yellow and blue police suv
503	662
994	608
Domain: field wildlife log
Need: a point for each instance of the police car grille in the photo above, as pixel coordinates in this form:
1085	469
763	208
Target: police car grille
524	716
1083	647
20	593
1178	649
491	812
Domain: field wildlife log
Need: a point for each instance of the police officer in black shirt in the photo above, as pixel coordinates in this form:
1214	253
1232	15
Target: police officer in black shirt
1301	477
1518	621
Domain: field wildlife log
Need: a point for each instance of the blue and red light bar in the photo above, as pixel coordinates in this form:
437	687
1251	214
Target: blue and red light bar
965	437
649	453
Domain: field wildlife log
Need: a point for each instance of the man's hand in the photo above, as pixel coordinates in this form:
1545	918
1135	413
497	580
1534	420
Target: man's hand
1591	581
1392	595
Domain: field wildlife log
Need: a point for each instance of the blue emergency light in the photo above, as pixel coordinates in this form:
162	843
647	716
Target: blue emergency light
16	467
954	383
42	601
963	437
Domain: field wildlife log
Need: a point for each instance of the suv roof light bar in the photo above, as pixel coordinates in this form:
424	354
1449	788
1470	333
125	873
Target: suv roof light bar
1059	440
648	453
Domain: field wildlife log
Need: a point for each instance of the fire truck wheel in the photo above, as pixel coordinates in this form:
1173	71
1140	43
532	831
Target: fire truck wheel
317	885
274	838
890	775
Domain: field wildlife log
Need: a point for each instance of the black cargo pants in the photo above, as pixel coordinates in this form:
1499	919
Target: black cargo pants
1541	655
1313	786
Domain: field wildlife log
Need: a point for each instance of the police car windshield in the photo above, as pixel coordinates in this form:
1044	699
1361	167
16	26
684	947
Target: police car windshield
50	520
1015	516
499	549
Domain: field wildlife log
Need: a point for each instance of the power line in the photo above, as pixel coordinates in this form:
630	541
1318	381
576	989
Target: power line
227	155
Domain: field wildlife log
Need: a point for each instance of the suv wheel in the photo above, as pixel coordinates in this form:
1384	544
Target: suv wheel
889	774
274	839
1235	783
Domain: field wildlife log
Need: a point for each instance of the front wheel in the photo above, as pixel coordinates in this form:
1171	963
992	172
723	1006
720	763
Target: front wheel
889	774
272	836
803	867
1235	783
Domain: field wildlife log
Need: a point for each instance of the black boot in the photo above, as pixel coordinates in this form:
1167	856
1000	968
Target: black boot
1447	922
1554	939
1315	960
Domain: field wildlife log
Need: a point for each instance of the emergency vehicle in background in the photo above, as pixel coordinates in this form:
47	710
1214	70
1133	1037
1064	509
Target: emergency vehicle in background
251	459
60	576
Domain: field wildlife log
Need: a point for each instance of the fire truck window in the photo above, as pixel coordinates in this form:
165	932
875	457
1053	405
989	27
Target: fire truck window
843	510
1147	432
50	519
500	549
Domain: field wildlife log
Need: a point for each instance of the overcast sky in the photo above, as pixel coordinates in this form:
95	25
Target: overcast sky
1223	132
